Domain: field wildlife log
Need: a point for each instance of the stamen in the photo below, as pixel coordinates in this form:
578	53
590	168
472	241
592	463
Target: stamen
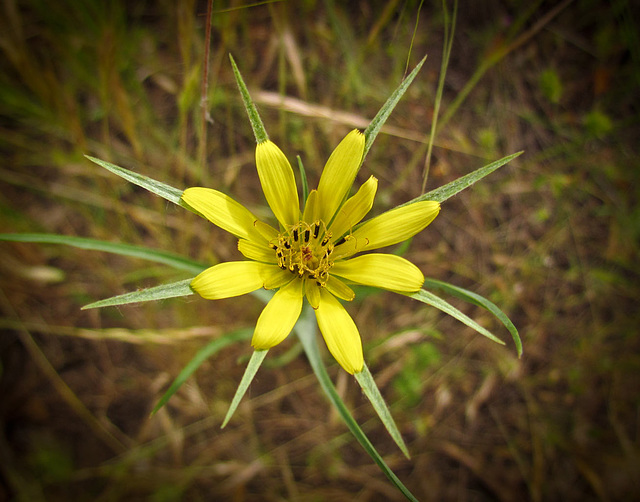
299	251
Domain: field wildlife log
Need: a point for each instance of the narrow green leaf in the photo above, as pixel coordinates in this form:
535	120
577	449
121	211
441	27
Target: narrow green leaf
437	302
201	356
480	301
171	259
306	329
458	185
252	368
305	183
256	122
368	384
162	189
173	290
381	117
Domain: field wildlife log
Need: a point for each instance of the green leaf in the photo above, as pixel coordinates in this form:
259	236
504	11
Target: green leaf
368	384
171	259
256	122
480	301
458	185
201	356
162	189
175	289
437	302
252	368
306	329
381	117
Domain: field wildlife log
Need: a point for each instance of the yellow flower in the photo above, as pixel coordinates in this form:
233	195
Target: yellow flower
311	254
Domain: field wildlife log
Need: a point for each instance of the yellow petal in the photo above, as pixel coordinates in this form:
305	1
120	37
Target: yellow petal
348	247
278	183
233	278
339	172
338	288
381	271
257	251
279	316
354	209
223	211
310	214
267	231
312	290
278	278
340	333
395	225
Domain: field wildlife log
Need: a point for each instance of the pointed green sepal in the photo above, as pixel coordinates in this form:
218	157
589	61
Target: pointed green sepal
458	185
370	389
157	187
256	122
306	330
437	302
201	356
252	368
305	182
480	301
173	290
381	117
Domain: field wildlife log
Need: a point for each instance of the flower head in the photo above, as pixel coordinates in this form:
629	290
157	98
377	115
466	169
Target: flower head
312	253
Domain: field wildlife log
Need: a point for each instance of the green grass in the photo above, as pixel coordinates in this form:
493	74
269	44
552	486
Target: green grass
552	239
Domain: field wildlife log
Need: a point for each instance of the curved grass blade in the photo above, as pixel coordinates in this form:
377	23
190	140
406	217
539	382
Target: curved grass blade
381	117
306	331
458	185
369	387
252	368
256	122
480	301
447	308
157	187
201	356
171	259
173	290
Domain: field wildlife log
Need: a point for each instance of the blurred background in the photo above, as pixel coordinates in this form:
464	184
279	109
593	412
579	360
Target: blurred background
552	239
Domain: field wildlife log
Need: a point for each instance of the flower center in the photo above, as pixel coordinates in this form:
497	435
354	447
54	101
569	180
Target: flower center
304	249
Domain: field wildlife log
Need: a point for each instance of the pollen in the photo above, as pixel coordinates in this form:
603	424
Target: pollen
305	250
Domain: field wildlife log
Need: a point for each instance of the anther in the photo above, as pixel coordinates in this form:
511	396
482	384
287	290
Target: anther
341	241
287	245
295	234
316	231
307	235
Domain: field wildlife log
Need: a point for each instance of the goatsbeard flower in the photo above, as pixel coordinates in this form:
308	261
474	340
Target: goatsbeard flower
312	253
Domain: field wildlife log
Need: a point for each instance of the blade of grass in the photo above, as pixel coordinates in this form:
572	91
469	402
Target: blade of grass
480	301
381	117
173	290
252	368
437	302
306	330
449	30
370	389
201	356
256	122
171	259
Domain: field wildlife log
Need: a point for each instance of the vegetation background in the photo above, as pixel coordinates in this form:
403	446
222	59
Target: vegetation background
552	239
